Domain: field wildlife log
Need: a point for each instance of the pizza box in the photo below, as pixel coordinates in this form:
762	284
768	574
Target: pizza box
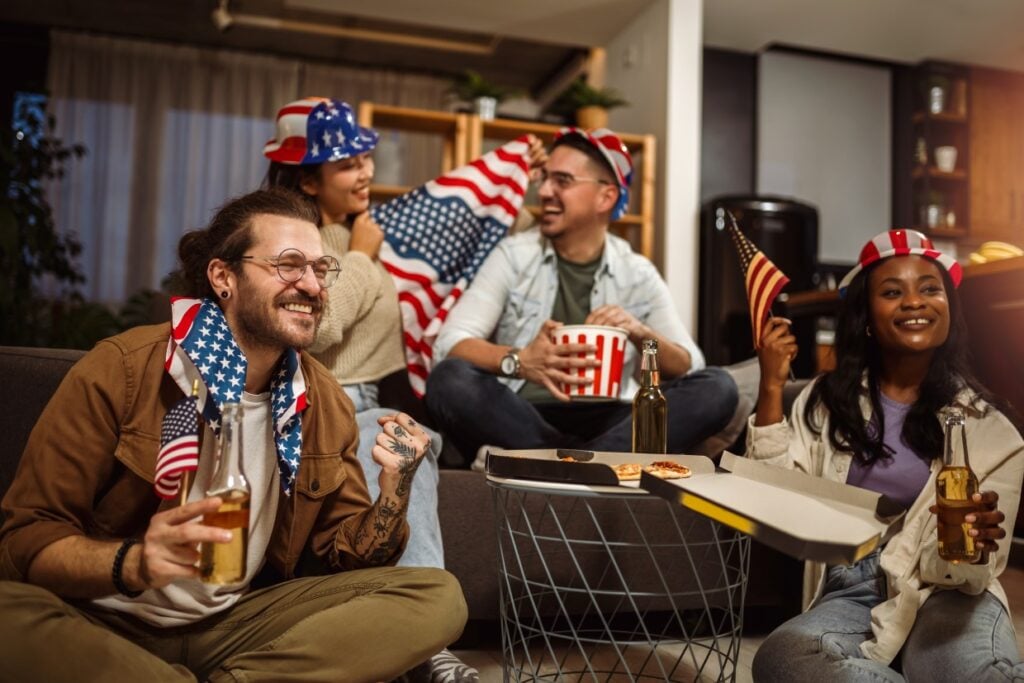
588	468
807	517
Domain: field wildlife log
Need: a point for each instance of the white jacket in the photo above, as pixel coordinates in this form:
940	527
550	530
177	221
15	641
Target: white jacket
910	559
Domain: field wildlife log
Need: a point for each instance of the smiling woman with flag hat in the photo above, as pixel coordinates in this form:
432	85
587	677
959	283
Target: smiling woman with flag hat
874	422
322	153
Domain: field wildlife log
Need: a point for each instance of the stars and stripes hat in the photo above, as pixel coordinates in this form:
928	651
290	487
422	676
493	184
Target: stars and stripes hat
901	243
615	153
316	130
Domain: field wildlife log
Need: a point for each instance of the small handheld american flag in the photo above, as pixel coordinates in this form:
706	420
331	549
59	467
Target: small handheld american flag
179	445
763	278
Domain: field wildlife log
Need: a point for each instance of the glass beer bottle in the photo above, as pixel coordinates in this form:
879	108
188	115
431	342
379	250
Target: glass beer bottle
955	486
650	410
222	563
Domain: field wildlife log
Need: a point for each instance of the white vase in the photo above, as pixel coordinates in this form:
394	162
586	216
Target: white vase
485	107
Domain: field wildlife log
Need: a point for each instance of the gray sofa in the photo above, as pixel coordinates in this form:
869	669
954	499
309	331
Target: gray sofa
30	376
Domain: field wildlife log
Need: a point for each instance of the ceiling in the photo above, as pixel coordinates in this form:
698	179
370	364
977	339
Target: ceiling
535	41
979	32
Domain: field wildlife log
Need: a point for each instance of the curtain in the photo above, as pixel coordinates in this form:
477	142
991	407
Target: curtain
172	132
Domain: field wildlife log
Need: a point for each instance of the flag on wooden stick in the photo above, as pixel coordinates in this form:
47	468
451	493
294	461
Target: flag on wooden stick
763	278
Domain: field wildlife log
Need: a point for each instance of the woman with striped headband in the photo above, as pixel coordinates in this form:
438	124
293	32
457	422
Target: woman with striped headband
902	613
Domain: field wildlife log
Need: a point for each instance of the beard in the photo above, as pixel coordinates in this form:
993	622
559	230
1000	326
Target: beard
261	325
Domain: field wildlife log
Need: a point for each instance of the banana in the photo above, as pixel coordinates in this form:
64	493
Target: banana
994	251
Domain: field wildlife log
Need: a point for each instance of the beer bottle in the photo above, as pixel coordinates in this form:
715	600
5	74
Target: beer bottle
222	563
650	410
955	485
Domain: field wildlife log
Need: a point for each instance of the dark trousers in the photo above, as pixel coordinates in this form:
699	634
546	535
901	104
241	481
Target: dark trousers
473	408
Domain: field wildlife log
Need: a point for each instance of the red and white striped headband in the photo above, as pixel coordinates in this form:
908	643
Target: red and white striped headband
901	243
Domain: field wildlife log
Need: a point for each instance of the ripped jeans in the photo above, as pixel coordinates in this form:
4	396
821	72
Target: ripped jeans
956	637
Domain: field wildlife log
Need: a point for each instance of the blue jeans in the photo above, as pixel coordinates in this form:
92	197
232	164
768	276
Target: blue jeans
425	548
473	408
956	637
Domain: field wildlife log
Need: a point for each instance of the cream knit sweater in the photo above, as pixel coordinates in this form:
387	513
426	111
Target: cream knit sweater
360	337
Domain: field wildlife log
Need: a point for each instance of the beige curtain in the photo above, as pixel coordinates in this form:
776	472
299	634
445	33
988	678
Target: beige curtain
172	132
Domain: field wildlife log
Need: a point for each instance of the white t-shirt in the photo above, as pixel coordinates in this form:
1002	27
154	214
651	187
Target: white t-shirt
187	600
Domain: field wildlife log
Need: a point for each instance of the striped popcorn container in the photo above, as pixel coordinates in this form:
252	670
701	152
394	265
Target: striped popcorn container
611	350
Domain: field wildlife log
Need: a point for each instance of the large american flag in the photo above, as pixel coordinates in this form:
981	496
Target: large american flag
763	279
437	236
179	447
202	347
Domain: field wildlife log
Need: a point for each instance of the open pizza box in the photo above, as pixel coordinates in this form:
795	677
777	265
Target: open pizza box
807	517
584	468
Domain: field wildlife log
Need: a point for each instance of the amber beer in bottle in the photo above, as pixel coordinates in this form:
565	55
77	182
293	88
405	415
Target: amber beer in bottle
955	485
650	410
222	563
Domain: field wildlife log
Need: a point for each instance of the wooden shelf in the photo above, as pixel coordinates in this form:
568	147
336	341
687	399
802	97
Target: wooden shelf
933	172
944	117
463	136
944	233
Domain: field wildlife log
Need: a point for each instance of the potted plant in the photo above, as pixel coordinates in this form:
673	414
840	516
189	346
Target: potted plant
590	104
473	88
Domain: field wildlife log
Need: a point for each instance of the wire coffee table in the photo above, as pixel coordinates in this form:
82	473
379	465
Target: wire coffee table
610	583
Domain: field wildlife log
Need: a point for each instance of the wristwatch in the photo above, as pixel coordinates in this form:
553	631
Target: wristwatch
510	363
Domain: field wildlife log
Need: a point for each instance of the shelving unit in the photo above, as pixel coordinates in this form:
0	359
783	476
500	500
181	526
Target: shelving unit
941	120
451	127
467	137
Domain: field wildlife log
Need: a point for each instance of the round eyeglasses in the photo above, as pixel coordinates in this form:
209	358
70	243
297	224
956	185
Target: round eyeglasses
563	181
291	266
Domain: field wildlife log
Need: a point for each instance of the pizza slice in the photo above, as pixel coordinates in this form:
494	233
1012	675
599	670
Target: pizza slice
668	469
627	471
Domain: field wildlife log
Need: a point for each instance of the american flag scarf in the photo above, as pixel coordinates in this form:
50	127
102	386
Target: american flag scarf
437	236
202	346
763	279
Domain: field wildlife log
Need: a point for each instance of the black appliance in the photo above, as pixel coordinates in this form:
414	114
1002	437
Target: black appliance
786	231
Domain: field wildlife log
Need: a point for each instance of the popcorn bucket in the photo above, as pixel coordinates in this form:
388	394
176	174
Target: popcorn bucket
611	350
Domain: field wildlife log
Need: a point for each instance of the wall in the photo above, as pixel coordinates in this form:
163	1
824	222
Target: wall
728	123
825	137
655	62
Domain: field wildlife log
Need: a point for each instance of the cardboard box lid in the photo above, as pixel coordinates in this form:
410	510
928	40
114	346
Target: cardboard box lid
591	468
807	517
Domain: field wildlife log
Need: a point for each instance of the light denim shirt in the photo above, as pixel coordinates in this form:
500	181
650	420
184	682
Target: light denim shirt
514	293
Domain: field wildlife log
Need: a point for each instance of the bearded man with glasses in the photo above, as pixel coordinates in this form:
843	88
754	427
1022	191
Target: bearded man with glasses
500	376
97	568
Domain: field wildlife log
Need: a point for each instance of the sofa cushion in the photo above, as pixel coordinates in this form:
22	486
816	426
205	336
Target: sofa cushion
30	378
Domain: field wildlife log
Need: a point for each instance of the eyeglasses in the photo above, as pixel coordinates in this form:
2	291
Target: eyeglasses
563	181
291	265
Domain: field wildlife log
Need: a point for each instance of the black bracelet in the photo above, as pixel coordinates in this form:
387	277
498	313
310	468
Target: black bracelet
115	572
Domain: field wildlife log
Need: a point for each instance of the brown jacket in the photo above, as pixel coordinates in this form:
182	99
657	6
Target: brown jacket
88	466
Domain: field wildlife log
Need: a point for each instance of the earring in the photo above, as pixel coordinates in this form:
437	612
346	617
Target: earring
867	330
225	294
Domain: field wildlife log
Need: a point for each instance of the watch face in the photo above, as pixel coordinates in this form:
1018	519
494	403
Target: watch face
508	366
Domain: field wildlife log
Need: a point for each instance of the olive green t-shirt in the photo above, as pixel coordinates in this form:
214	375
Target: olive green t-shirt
571	307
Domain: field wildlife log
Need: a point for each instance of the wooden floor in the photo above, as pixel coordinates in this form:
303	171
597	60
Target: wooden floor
488	661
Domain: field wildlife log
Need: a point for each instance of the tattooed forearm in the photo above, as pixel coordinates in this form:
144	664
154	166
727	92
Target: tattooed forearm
378	538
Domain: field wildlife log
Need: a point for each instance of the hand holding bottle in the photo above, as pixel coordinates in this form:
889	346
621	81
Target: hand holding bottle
985	522
169	547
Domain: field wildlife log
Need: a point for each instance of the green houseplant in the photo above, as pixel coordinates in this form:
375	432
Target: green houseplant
33	250
484	95
590	105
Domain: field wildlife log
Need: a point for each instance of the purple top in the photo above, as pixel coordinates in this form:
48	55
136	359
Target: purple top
900	477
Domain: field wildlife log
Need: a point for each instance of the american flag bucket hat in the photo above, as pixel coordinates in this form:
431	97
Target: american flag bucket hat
901	243
615	153
316	130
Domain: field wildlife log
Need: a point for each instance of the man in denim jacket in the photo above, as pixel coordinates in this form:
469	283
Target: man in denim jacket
499	376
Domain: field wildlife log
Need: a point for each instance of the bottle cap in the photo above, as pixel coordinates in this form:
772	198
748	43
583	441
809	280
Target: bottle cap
650	344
